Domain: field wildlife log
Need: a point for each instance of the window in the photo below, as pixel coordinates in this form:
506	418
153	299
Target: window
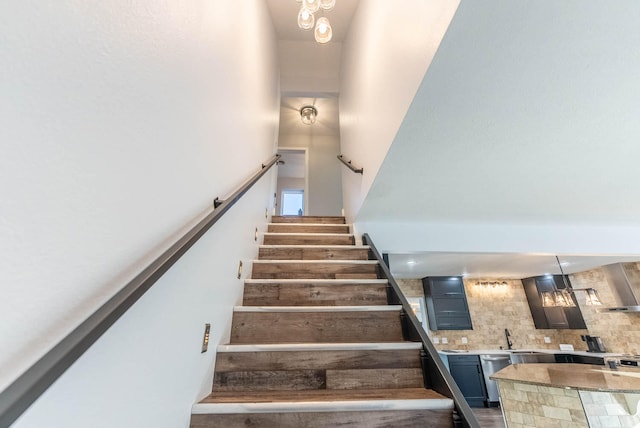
293	202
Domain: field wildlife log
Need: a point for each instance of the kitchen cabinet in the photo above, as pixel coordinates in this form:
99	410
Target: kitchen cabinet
447	307
579	359
554	317
466	371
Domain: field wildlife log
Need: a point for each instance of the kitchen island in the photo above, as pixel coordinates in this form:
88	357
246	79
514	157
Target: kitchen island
569	395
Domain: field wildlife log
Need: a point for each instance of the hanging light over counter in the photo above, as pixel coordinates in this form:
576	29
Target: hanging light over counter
564	298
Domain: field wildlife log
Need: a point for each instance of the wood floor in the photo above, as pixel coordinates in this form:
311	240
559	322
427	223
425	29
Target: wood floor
490	418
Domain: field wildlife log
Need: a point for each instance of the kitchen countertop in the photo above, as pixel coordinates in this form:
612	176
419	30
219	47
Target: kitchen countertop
573	376
509	351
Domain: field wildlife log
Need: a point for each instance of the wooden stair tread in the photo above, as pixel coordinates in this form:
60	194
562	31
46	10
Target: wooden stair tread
346	239
318	346
307	228
316	262
323	395
359	308
328	281
317	294
316	246
310	219
313	252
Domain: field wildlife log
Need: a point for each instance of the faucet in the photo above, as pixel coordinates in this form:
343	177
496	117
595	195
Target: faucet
508	335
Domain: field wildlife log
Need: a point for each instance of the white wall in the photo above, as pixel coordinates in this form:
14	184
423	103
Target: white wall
324	171
523	136
384	58
120	123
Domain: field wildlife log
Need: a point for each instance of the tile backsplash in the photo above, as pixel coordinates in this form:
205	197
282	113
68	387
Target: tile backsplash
620	332
493	309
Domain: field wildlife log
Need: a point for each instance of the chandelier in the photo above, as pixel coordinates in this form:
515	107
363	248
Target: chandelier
564	297
307	20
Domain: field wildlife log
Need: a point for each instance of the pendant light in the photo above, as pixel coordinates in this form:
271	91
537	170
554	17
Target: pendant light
327	4
311	5
564	298
305	19
592	297
323	32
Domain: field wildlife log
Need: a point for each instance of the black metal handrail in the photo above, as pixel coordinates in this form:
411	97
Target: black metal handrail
437	376
18	396
351	167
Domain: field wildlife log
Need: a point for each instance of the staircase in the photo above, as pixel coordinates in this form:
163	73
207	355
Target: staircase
315	343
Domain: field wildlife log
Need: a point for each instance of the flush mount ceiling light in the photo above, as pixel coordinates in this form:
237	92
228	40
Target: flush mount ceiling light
308	115
306	19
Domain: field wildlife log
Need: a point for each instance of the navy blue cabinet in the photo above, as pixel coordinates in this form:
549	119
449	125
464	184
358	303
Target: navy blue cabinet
579	359
553	317
447	307
466	371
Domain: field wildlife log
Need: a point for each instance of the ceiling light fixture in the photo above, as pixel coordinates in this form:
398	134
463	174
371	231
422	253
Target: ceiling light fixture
564	298
308	115
306	19
323	31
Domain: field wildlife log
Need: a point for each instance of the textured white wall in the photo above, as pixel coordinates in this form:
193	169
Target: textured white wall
384	58
526	128
120	123
324	171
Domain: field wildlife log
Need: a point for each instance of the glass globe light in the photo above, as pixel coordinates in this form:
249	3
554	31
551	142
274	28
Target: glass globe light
305	19
323	32
327	4
311	5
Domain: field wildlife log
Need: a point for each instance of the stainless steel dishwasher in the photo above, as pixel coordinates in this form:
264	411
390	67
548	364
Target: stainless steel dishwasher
492	363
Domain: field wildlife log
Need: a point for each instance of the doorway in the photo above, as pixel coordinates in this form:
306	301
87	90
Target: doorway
293	184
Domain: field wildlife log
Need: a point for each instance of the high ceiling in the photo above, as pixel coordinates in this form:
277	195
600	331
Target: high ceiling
493	265
481	181
309	71
284	14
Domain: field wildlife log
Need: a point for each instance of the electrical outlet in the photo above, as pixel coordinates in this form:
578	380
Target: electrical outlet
436	340
205	339
255	236
445	340
240	269
547	339
266	213
464	341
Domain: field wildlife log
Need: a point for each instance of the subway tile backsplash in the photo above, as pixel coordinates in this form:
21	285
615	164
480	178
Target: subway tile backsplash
495	308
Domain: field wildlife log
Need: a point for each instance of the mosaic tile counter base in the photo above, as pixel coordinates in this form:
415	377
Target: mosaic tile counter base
536	406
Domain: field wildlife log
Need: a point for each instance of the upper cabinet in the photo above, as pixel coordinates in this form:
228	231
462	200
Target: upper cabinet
447	307
554	317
